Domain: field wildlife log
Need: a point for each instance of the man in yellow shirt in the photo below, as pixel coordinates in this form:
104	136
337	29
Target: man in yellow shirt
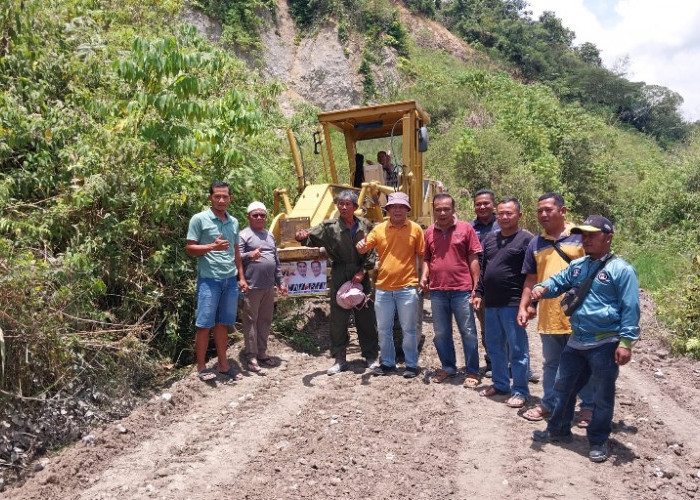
546	255
400	244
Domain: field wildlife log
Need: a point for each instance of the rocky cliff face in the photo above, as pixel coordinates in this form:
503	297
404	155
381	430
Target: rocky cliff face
319	70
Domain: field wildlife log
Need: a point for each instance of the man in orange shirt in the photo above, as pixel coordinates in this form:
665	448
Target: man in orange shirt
400	244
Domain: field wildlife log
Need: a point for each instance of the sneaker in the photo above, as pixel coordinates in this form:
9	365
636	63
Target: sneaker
372	363
337	368
547	437
411	372
485	371
598	453
383	370
533	377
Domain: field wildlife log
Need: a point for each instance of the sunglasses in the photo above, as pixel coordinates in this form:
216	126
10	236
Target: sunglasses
258	216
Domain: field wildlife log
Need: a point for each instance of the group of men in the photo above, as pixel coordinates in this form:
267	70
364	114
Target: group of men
229	261
490	268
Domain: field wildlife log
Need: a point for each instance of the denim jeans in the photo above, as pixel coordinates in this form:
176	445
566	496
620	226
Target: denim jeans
445	304
405	301
217	302
577	368
552	348
507	342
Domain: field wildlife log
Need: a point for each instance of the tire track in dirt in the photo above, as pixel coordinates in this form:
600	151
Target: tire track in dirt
297	433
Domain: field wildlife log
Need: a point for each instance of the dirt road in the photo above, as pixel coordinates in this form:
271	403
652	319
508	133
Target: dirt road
294	432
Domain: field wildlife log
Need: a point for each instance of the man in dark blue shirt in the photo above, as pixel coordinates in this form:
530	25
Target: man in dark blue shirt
485	223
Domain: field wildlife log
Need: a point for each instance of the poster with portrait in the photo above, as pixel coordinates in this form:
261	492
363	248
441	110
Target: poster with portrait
305	277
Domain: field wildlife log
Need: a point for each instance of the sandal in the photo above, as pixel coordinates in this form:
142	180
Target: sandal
516	401
584	418
206	375
232	373
491	391
440	376
269	362
253	366
536	413
472	380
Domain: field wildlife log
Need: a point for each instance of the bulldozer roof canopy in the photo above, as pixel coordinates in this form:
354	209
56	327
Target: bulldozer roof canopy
372	122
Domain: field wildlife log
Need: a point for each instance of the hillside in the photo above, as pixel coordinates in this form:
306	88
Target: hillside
113	120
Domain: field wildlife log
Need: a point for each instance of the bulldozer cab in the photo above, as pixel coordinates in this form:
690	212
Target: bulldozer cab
401	123
404	122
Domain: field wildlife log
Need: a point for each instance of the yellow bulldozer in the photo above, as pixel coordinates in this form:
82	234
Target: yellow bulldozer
405	122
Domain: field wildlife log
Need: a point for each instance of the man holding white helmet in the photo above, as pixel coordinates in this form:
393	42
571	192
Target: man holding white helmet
263	274
339	237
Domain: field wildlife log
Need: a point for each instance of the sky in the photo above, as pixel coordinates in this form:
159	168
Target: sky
661	40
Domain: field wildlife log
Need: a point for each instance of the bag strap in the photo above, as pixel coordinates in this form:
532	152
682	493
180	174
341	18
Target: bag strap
561	253
585	285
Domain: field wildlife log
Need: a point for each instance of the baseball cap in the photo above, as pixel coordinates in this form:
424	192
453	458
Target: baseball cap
594	224
397	198
256	205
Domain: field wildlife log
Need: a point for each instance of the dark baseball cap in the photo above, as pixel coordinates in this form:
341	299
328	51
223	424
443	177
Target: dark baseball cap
594	224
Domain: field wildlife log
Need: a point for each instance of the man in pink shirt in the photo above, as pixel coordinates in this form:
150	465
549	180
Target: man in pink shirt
451	272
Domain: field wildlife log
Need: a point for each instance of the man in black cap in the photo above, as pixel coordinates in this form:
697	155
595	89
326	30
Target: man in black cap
605	327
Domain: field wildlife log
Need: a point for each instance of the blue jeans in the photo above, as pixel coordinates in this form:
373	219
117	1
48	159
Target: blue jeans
506	341
217	301
577	368
552	347
386	303
444	305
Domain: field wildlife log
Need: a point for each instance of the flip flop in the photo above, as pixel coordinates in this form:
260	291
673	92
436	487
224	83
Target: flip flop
267	362
440	376
536	413
472	380
491	391
232	373
516	401
253	366
206	375
584	418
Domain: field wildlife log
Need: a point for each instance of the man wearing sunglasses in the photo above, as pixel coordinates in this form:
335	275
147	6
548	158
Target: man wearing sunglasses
263	273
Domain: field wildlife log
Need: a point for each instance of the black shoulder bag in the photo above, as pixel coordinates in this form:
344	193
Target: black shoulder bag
574	297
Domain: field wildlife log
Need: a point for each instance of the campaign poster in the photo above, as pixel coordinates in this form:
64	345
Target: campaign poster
305	277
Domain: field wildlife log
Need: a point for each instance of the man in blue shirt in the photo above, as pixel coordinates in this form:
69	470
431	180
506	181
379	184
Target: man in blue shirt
604	328
212	237
485	223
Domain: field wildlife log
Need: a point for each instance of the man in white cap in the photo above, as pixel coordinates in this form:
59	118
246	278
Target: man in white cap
263	274
605	327
400	245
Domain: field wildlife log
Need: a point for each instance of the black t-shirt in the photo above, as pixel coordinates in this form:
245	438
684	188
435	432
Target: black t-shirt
501	281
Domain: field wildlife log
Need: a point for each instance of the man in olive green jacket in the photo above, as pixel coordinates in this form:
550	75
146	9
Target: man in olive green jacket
339	237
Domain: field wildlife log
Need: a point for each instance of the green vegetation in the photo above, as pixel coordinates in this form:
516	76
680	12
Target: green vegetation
542	50
110	133
114	120
241	20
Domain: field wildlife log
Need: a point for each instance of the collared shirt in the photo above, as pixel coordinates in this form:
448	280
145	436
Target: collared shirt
265	271
543	260
204	228
482	229
398	249
447	253
610	311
